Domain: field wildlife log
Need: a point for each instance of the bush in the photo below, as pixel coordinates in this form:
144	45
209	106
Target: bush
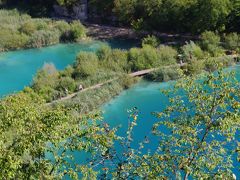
47	76
113	59
150	40
191	51
67	72
46	81
77	31
194	67
43	38
62	26
127	81
210	42
85	65
10	40
20	31
213	64
67	83
167	55
28	28
41	24
104	53
120	59
232	42
144	58
164	74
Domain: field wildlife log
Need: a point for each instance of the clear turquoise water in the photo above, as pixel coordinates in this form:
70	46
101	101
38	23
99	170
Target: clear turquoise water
17	68
147	97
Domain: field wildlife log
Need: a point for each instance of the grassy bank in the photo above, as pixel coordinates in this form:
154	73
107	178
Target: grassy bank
92	100
19	31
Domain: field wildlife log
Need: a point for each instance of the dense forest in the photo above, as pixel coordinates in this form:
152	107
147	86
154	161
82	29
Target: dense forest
193	16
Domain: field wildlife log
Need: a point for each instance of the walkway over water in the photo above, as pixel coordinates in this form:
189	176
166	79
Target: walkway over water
134	74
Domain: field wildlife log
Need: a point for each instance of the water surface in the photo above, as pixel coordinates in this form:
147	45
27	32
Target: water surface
147	97
17	68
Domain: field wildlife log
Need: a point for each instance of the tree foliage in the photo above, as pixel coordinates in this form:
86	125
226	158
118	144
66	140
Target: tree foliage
178	15
196	133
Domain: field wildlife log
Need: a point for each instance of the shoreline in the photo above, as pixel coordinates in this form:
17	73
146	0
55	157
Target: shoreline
75	98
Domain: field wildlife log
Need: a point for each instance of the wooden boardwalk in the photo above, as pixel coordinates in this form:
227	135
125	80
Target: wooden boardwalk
134	74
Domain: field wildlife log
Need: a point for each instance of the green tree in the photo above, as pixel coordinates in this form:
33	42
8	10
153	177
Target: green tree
211	15
35	138
197	134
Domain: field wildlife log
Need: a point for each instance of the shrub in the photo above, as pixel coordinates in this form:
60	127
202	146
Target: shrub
85	65
10	40
45	81
212	64
194	67
47	76
150	40
67	72
113	59
28	28
67	83
104	53
20	31
77	31
210	42
43	38
120	59
191	51
127	81
164	74
232	41
167	55
62	26
41	24
143	58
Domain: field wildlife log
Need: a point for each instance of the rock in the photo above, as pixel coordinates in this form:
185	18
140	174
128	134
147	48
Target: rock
60	11
78	11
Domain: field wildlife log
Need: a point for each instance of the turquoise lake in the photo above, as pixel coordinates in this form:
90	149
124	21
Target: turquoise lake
17	68
147	97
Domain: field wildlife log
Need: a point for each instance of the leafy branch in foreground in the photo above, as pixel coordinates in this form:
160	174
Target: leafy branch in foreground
196	137
196	134
36	142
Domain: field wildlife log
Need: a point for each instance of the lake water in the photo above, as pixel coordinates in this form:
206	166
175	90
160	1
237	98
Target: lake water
17	68
147	97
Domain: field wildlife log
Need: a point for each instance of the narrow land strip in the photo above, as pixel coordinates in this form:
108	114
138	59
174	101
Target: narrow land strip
134	74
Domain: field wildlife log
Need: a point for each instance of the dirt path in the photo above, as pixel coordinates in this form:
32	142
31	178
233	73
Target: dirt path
103	32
